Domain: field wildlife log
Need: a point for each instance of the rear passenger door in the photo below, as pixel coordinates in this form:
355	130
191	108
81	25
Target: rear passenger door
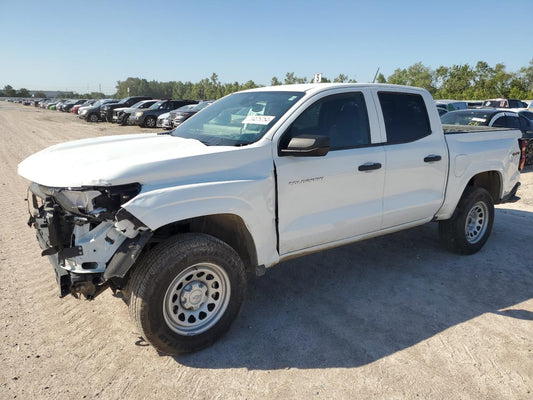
416	159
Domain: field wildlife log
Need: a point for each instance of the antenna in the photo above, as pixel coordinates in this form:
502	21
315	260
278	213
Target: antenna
375	76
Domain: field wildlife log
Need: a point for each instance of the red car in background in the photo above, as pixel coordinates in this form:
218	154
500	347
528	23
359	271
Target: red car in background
74	109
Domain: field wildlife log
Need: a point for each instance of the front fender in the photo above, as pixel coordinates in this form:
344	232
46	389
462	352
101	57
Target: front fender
251	200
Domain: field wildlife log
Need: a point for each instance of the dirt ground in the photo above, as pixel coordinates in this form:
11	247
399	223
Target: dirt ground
390	318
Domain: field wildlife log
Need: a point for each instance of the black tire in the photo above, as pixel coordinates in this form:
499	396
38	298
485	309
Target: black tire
185	292
469	229
150	122
123	119
92	117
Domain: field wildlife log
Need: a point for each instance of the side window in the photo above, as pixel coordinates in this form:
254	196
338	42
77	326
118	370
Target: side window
499	123
512	122
406	117
342	117
507	122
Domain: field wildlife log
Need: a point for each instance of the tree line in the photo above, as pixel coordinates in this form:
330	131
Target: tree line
460	82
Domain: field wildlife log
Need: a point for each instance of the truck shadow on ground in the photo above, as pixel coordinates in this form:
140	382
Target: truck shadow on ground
353	305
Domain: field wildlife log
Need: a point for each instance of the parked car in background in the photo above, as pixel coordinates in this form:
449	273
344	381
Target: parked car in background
474	103
451	105
166	123
88	103
106	111
121	114
163	121
504	103
69	104
181	114
52	105
37	102
148	118
43	102
60	105
441	111
92	113
497	118
526	122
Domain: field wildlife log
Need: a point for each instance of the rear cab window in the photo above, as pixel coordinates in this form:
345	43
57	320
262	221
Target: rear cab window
405	116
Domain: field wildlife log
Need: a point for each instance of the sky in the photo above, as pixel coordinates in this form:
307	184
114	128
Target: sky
85	46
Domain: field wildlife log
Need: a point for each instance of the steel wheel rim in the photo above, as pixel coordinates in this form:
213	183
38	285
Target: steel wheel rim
476	222
196	299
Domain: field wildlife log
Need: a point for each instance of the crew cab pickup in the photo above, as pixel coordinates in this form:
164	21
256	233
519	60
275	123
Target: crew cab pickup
175	220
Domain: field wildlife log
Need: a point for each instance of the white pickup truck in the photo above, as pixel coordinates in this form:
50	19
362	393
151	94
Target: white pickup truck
175	220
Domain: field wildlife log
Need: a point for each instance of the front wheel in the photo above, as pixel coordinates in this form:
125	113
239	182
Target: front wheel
92	118
150	122
185	292
470	228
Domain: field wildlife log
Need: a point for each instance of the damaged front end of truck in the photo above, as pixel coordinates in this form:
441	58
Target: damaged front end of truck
90	239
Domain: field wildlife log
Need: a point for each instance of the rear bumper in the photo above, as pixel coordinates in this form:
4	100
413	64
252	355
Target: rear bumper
511	196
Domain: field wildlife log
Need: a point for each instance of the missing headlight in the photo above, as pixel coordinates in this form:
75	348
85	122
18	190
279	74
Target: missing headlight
98	202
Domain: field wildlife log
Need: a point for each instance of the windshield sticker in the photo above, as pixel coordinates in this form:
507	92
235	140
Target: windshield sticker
258	119
478	119
292	98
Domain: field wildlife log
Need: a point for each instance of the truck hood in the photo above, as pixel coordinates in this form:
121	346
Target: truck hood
116	160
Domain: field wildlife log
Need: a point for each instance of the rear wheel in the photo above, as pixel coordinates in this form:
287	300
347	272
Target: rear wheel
470	228
186	292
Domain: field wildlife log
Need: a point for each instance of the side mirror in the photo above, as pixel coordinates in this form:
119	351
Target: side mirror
306	146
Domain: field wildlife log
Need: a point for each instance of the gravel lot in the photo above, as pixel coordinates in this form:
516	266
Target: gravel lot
395	317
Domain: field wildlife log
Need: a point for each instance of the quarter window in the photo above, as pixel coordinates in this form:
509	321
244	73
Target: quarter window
405	115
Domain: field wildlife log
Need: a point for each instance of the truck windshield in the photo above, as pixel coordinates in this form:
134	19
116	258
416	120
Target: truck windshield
238	119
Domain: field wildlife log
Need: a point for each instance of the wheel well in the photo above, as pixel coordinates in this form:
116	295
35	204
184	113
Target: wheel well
491	182
227	227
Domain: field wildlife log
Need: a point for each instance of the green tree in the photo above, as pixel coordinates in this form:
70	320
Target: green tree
291	79
9	91
341	78
457	83
40	94
416	75
381	78
398	77
526	75
275	81
250	85
23	93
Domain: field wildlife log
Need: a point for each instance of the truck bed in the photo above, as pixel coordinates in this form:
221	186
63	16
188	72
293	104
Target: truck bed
455	129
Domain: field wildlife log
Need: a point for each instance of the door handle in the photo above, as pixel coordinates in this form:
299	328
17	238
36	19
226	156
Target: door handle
369	166
432	158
